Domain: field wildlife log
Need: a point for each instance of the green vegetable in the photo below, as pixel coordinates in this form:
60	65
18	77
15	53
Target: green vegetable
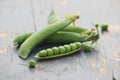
87	47
73	46
32	63
78	44
104	27
39	36
51	19
43	53
49	52
67	48
63	51
68	37
71	28
55	50
59	37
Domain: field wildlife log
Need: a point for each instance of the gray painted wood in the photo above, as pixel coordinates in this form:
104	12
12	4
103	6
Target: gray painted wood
15	16
19	16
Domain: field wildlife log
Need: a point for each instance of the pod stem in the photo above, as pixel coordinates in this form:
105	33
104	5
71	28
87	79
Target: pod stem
91	34
96	36
72	17
96	26
78	14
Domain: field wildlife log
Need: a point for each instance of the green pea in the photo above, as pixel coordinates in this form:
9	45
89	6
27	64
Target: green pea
104	27
87	48
49	52
78	44
73	46
42	53
96	25
67	48
61	49
55	50
32	63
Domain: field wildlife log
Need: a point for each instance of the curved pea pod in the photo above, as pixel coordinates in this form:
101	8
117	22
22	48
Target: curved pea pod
68	37
60	37
41	35
71	28
77	46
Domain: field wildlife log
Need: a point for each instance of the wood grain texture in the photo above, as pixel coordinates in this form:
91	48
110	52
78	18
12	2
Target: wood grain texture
15	16
19	16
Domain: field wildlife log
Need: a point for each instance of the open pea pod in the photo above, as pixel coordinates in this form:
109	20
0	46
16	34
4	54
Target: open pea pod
59	51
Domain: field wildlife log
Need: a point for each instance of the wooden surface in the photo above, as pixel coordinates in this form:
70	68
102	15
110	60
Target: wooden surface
19	16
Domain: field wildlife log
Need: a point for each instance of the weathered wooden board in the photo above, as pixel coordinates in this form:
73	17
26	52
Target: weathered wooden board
19	16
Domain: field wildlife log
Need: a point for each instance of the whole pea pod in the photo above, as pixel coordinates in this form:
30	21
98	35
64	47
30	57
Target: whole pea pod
59	37
59	51
70	28
68	37
39	36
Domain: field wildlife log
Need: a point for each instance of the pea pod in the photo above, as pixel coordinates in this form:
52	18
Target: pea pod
59	37
51	19
74	47
40	35
68	37
70	28
22	37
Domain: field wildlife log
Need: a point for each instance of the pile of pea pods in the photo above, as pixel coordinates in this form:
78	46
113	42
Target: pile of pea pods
57	31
